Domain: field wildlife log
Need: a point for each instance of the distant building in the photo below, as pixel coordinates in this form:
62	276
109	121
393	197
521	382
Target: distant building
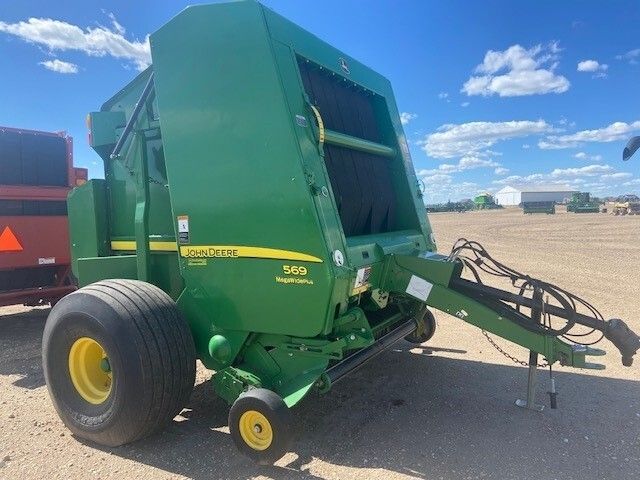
548	193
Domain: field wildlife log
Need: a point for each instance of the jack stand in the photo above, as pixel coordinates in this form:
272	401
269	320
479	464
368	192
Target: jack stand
530	402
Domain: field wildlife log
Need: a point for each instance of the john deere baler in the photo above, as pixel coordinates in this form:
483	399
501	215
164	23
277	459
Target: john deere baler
260	212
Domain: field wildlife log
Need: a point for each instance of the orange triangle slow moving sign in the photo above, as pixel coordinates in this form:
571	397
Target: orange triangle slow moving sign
9	242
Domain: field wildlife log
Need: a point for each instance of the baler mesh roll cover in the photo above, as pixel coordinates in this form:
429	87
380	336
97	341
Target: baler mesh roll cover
361	182
362	188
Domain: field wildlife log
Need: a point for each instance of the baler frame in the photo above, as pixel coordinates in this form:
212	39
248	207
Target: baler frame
363	272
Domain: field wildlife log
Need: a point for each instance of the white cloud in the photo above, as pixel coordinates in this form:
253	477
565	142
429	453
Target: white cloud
116	26
615	132
598	69
442	188
595	185
564	122
501	171
560	176
591	66
526	146
470	163
465	163
443	95
632	56
588	171
100	41
517	71
406	117
602	179
453	140
465	104
584	156
511	179
616	176
437	178
59	66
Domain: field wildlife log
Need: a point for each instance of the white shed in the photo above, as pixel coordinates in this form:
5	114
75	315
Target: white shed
510	196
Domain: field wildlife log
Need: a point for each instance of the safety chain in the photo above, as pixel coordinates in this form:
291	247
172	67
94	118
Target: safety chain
150	178
509	356
158	182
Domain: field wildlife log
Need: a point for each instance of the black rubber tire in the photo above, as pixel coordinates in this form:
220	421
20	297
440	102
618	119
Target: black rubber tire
150	349
426	329
271	405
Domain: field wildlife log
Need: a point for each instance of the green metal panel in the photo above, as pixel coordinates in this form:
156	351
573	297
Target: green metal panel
254	191
92	270
88	223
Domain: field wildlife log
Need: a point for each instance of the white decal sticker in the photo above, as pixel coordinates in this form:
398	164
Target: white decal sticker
419	288
47	261
183	224
362	277
183	229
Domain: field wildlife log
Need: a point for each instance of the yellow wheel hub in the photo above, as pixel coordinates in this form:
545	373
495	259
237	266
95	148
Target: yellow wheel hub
90	370
255	430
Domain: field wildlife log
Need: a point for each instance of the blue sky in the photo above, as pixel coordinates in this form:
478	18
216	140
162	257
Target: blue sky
492	93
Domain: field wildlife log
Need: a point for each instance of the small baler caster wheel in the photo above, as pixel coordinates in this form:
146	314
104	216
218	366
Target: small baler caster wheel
260	425
425	330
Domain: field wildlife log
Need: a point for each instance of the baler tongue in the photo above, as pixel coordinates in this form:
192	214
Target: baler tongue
538	315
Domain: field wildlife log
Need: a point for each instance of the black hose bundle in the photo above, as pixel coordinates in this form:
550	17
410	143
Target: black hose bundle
477	260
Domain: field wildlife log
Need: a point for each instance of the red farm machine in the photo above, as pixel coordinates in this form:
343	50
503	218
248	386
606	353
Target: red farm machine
36	174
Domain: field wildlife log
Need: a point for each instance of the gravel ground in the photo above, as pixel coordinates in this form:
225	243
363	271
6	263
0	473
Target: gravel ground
442	411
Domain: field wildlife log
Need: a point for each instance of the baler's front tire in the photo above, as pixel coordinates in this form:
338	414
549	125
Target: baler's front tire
119	360
260	425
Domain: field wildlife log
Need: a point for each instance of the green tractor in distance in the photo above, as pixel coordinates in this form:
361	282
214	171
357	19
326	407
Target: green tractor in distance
581	202
485	201
260	212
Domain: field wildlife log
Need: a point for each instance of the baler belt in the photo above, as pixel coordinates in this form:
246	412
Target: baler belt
355	158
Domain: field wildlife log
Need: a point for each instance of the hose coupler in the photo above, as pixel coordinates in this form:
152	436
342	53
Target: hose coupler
625	340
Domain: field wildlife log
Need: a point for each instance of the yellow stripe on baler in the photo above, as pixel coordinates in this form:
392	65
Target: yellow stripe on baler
241	251
218	251
129	245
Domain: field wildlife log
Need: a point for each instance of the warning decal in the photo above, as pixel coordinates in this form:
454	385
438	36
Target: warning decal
183	229
419	288
9	242
361	283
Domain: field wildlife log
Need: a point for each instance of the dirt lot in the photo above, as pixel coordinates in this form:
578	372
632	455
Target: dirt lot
444	411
